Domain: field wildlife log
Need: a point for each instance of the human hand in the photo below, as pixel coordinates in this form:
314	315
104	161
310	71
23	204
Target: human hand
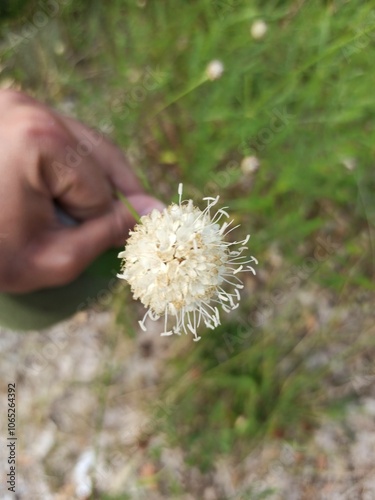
49	159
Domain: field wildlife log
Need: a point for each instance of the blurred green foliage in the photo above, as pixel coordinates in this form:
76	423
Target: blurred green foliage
12	8
238	390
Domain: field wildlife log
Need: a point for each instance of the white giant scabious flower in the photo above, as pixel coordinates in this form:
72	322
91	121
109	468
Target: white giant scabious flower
258	29
214	70
179	265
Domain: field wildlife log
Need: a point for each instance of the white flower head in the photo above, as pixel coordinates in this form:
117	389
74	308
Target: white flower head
349	163
250	164
214	69
178	262
258	29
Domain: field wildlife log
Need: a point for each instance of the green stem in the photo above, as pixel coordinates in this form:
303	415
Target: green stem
129	206
185	92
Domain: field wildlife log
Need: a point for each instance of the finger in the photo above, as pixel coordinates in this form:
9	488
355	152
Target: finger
73	175
9	98
80	145
110	157
116	165
143	204
60	256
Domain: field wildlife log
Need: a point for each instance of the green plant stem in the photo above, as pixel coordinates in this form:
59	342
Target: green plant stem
129	206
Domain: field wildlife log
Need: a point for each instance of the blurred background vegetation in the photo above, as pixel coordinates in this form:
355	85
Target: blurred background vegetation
298	98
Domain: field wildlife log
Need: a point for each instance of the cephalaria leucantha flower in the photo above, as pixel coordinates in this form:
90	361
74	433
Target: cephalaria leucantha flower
179	264
258	29
214	70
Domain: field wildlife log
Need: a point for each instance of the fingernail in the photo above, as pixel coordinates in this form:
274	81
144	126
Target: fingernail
146	209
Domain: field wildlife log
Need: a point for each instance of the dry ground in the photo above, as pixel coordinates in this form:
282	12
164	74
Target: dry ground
83	428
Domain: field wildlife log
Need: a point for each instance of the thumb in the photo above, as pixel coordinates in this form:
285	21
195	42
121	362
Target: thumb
144	204
122	220
63	254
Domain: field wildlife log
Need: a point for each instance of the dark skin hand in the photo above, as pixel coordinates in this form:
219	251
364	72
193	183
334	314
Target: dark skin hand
49	159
